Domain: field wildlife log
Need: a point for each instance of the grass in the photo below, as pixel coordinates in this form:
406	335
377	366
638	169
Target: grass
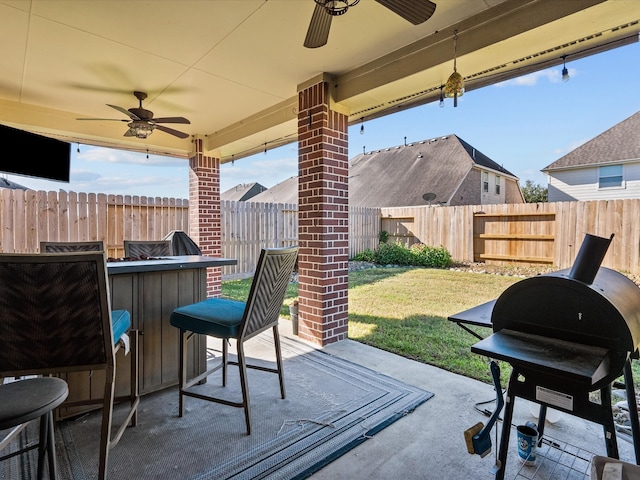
405	310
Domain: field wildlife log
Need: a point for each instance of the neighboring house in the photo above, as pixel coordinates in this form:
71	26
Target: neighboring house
283	192
6	183
440	171
605	168
242	192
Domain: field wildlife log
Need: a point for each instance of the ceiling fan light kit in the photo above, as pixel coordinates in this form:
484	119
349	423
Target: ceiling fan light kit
336	7
139	129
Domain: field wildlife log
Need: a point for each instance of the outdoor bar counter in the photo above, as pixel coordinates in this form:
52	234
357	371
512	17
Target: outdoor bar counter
150	290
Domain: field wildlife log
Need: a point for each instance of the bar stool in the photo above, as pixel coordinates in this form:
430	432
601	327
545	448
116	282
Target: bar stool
25	400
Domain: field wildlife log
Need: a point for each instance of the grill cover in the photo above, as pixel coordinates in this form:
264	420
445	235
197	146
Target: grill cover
182	244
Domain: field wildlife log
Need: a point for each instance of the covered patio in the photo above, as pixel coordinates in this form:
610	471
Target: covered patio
240	73
247	84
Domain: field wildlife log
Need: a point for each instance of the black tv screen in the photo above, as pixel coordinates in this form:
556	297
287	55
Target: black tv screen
27	153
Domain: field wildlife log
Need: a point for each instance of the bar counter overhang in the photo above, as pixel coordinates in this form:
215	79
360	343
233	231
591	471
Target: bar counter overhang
150	290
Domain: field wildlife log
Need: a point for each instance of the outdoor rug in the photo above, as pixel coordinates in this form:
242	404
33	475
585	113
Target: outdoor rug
332	405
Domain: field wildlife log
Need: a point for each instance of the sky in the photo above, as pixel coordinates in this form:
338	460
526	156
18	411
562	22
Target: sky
523	124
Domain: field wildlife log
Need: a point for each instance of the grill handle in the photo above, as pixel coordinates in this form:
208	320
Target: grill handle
590	256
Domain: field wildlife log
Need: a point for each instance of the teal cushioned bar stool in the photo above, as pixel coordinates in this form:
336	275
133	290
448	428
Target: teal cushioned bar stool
22	401
230	319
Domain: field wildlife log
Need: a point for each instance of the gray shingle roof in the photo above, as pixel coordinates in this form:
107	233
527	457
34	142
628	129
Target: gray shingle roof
402	175
242	192
621	142
6	183
284	192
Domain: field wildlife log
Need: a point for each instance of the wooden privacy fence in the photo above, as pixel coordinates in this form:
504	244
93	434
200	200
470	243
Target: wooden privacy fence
529	233
28	217
540	233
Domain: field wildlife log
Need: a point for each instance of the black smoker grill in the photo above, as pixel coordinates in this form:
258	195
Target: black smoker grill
568	333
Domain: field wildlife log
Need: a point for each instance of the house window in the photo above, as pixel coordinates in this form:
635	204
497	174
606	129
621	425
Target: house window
497	184
485	182
610	176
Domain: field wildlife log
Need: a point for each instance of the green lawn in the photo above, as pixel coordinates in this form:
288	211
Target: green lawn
405	310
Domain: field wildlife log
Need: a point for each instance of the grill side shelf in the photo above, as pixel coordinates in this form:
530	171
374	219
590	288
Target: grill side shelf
577	363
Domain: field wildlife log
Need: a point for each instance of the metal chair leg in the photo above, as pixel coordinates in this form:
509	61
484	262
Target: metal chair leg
182	381
42	445
107	417
276	341
242	367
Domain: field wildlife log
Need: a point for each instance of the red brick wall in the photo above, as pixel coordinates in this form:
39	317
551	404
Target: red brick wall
323	214
204	212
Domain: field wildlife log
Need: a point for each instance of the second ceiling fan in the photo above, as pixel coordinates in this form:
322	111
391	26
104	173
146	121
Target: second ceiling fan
414	11
141	121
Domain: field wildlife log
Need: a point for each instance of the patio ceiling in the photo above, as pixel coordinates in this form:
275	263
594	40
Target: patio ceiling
234	67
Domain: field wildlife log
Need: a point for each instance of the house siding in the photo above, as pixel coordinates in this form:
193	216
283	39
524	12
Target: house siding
491	198
468	192
582	184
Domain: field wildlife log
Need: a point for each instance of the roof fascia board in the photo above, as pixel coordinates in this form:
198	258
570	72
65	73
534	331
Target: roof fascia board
590	165
494	25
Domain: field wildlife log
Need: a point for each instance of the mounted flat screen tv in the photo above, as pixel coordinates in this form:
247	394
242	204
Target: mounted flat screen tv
27	153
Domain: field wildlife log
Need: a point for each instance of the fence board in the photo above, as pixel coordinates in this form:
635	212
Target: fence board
525	233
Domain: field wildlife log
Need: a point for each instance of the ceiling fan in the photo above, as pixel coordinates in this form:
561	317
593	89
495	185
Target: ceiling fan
141	122
414	11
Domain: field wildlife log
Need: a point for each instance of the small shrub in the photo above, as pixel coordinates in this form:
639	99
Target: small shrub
393	254
367	256
426	256
383	236
419	255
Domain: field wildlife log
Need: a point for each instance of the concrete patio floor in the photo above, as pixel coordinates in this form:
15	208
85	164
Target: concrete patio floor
429	442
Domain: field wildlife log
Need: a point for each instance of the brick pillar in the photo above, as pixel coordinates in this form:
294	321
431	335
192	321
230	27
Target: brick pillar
205	217
323	215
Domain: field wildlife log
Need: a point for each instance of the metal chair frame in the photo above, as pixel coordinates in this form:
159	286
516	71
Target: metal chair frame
70	309
262	312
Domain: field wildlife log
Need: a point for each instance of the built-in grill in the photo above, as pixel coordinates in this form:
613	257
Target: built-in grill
567	334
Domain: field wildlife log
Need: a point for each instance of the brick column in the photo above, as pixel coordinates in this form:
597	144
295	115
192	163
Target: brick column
323	215
205	219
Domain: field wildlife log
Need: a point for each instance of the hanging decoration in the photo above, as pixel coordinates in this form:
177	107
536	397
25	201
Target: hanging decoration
565	71
454	87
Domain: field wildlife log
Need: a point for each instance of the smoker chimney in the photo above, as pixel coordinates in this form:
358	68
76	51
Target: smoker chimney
587	262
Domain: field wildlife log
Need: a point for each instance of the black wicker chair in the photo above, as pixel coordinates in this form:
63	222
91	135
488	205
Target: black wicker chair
147	248
56	318
69	247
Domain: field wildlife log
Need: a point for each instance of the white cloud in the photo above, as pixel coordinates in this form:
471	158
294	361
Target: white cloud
552	75
108	155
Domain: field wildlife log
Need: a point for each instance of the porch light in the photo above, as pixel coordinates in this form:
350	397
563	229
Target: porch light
454	87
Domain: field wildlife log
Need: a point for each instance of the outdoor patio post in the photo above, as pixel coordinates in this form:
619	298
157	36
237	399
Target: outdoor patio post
323	215
205	216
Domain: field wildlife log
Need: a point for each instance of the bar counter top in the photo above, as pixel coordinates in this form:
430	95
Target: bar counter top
157	264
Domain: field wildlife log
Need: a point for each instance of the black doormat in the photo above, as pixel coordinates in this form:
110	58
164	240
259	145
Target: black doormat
332	405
